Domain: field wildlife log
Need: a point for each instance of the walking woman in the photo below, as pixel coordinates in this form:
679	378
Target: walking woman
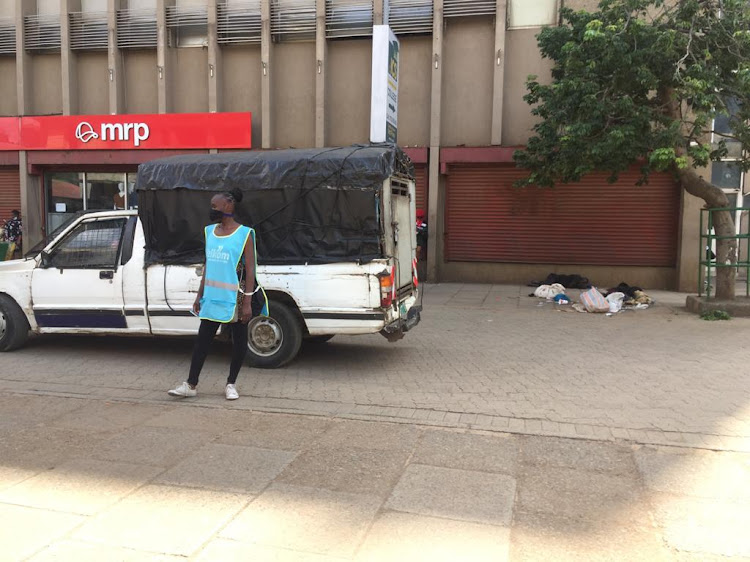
228	245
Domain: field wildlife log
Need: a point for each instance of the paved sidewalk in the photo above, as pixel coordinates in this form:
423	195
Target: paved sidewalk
485	357
83	479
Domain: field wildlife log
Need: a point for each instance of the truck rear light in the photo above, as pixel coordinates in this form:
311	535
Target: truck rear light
387	288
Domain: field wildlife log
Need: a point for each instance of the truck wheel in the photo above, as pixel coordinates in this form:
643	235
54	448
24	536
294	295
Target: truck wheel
273	341
14	328
319	339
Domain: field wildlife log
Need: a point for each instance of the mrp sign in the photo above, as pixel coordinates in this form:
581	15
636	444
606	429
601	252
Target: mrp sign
138	132
384	104
130	132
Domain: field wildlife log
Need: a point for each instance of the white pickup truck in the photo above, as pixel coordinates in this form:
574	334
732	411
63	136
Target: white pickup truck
91	278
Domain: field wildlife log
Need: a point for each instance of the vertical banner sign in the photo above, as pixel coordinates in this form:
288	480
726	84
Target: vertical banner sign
384	99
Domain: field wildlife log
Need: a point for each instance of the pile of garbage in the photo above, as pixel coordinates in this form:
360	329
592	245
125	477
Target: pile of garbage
612	301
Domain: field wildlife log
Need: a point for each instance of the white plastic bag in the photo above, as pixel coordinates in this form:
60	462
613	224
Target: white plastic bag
615	301
549	292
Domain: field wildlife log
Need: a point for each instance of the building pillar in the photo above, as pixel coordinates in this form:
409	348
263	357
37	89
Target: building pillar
321	51
31	203
214	70
499	74
68	59
163	57
23	59
114	60
379	17
690	248
266	69
434	216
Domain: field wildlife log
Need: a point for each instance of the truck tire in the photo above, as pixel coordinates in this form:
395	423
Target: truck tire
273	341
14	327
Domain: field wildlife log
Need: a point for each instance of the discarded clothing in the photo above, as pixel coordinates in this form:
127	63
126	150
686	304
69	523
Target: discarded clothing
573	281
633	295
626	289
562	298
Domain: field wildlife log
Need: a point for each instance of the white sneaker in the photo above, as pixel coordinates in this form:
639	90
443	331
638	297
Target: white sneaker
183	391
231	392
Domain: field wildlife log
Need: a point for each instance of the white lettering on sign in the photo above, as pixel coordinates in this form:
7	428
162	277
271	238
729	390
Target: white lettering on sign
138	132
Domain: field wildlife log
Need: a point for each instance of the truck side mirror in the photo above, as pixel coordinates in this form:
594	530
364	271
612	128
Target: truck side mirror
45	259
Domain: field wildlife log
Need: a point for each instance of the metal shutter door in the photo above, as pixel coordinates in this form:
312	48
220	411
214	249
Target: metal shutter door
10	192
588	223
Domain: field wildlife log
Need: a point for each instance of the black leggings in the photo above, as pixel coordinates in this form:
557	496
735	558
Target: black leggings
206	334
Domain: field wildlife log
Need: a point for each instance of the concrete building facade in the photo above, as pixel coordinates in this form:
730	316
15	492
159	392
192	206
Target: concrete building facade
303	69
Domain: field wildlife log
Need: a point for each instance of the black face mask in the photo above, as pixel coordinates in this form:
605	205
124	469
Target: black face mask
215	215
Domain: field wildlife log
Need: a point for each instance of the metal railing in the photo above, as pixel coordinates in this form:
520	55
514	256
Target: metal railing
88	31
239	23
136	29
410	16
465	8
707	262
7	37
348	18
293	20
42	33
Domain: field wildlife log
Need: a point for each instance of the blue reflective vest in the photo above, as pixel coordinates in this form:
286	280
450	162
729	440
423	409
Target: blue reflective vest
220	285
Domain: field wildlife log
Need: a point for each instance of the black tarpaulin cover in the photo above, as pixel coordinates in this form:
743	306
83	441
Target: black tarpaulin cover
306	205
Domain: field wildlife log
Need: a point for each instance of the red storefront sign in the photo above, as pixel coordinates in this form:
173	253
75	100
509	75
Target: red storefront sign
127	132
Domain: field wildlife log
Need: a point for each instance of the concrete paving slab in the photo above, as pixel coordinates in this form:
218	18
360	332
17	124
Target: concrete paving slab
30	409
345	469
276	431
370	435
402	536
82	486
11	475
305	519
206	420
25	530
538	537
578	494
705	474
42	448
487	453
103	416
228	468
463	495
163	519
151	445
578	454
704	526
232	551
77	551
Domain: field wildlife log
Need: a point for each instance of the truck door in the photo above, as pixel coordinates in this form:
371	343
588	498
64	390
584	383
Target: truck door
404	220
78	285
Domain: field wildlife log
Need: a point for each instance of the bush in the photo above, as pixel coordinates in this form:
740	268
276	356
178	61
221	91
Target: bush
712	315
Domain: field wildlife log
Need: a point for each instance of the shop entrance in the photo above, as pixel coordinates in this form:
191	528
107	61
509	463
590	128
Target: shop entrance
69	192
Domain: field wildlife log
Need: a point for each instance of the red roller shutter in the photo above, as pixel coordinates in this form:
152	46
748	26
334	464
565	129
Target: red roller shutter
421	175
591	222
10	192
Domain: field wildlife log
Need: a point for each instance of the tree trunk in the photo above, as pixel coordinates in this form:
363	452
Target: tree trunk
726	249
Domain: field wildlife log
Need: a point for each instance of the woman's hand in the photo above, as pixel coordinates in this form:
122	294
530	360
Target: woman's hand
197	306
247	310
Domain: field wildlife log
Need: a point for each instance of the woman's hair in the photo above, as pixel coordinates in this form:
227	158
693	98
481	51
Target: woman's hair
234	195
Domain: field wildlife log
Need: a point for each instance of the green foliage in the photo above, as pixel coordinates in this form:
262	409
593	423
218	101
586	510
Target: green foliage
713	315
639	81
